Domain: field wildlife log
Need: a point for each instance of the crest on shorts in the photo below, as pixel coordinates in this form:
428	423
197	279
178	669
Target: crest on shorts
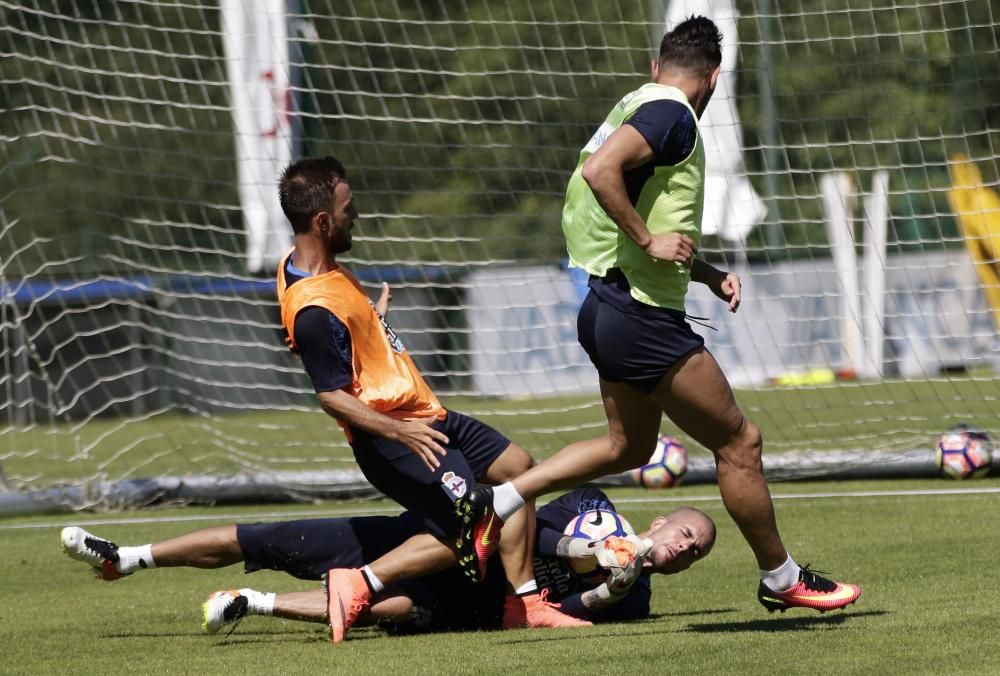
454	484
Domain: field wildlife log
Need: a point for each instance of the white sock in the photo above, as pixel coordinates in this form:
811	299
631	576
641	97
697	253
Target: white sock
783	577
528	587
259	603
506	500
373	581
131	559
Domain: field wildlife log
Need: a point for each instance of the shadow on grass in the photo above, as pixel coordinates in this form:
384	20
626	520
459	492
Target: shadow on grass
784	623
221	638
691	613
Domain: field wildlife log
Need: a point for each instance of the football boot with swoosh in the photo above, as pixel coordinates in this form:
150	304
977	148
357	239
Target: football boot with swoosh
479	531
811	591
347	596
535	610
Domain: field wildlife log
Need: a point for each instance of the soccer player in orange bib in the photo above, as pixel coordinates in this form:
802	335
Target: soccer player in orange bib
405	442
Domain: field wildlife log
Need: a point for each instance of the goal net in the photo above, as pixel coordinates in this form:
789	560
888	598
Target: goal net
853	184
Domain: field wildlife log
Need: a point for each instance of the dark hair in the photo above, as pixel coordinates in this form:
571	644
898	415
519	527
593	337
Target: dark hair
306	186
695	43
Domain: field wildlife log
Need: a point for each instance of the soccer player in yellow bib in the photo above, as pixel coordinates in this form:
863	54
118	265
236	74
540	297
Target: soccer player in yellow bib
632	220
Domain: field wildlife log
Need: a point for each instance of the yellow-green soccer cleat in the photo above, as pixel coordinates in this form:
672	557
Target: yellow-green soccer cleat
222	608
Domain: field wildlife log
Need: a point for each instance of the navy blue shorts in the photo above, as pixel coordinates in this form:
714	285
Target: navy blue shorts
452	602
629	341
395	471
309	548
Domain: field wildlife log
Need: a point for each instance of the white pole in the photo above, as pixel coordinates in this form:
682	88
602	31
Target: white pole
836	190
876	207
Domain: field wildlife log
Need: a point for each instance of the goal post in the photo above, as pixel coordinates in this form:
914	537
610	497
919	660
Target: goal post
138	327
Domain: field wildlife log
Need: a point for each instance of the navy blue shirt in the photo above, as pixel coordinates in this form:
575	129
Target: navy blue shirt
670	130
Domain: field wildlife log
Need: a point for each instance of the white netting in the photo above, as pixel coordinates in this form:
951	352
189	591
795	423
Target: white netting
137	344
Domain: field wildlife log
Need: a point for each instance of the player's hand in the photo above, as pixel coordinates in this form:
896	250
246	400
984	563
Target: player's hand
423	440
672	246
729	289
618	552
384	298
621	578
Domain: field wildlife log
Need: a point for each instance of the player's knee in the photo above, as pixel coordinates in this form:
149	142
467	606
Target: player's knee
744	450
623	456
752	439
514	462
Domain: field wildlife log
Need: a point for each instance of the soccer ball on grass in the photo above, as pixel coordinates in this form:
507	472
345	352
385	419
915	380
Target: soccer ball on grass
964	452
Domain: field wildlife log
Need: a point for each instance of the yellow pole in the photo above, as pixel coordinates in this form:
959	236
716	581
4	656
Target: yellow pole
977	210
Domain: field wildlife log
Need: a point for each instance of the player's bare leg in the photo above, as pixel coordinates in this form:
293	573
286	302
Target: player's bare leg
633	426
518	542
696	395
420	555
310	606
229	607
207	548
523	606
215	547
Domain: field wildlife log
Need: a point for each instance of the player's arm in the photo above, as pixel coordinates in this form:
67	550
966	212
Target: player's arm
417	435
382	304
324	344
604	172
725	285
598	605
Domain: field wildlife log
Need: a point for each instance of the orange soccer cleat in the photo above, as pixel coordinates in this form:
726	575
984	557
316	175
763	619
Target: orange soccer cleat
811	591
534	610
347	595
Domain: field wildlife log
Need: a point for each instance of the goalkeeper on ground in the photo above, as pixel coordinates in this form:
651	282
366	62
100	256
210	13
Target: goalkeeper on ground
307	549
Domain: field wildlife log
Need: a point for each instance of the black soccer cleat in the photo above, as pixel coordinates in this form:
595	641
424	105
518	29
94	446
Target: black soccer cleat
479	531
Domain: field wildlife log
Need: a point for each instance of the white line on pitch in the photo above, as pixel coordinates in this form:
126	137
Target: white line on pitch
356	511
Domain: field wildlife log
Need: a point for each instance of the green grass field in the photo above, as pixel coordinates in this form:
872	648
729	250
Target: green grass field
926	562
889	416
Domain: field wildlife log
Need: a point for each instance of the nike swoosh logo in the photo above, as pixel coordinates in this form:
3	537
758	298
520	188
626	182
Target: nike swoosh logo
486	533
841	594
598	520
